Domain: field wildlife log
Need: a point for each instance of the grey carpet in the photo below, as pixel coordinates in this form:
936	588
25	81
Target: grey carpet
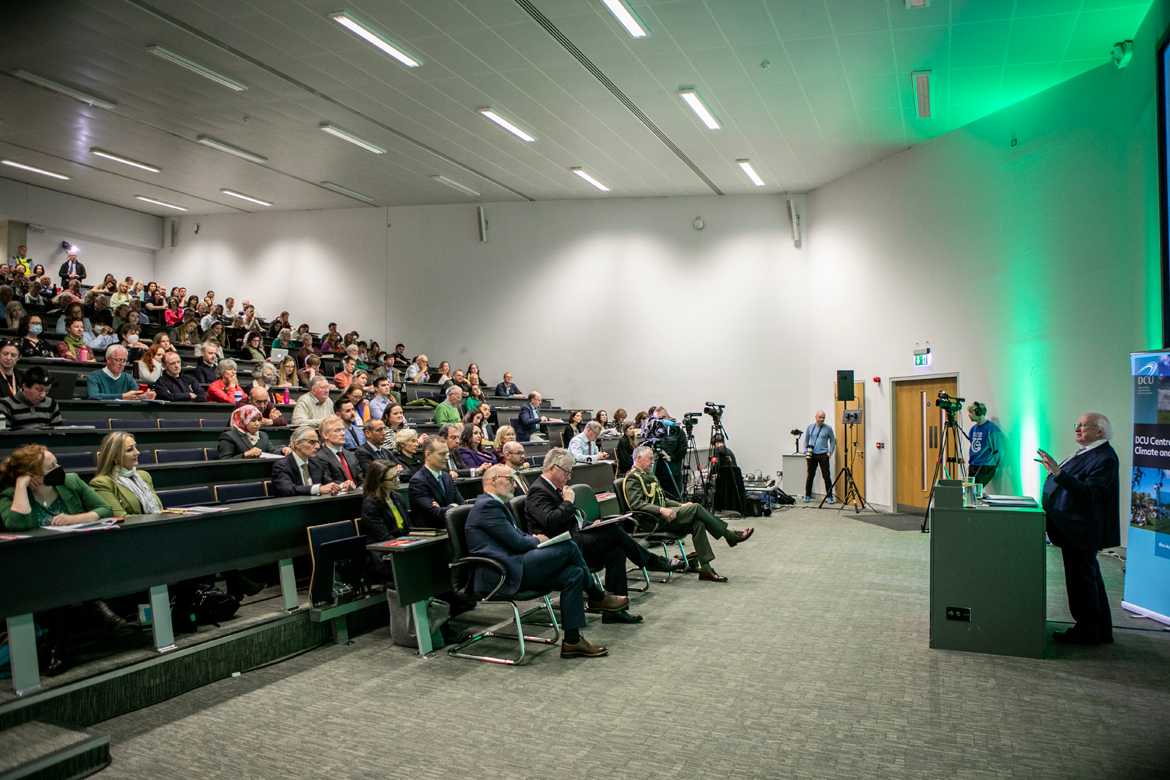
811	663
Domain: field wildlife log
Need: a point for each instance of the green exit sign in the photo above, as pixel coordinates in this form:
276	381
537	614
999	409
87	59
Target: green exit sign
922	358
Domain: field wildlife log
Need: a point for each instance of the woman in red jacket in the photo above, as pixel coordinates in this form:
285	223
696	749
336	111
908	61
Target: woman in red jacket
225	389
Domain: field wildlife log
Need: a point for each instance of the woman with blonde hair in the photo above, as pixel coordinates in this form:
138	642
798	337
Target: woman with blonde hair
286	372
119	483
14	313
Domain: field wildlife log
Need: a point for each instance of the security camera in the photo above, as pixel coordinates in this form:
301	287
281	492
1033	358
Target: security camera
1122	53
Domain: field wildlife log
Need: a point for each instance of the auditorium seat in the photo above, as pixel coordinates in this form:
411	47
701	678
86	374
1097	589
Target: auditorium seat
221	422
122	425
211	453
162	423
247	491
179	456
181	497
75	460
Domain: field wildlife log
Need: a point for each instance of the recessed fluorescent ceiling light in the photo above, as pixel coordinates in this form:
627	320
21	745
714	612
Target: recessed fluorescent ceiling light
195	67
124	160
624	14
248	198
76	94
236	151
362	31
456	185
751	172
920	79
353	139
346	192
699	107
41	171
504	123
590	179
159	203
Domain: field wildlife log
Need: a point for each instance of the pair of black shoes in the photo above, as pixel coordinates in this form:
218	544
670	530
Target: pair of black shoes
1075	636
620	617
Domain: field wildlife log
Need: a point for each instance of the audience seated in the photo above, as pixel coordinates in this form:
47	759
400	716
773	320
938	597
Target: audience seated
575	427
530	418
354	436
432	491
584	446
244	438
512	456
625	448
73	346
38	492
457	380
506	389
384	514
288	376
473	378
205	372
341	465
112	383
655	512
343	377
174	385
225	389
331	341
119	483
150	367
315	405
306	349
284	340
260	397
398	356
254	347
406	450
300	473
9	375
30	407
382	398
307	374
417	371
505	434
550	511
491	533
449	410
472	452
455	466
374	449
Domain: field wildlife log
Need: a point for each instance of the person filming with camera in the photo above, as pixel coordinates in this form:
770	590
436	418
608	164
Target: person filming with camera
819	444
986	445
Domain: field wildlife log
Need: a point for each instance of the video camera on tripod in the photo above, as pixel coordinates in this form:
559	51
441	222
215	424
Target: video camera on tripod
949	404
689	420
713	409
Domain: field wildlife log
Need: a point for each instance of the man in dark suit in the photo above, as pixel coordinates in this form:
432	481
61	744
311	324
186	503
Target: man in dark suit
1081	501
341	465
300	473
71	269
506	389
373	450
432	491
450	433
550	511
492	534
530	417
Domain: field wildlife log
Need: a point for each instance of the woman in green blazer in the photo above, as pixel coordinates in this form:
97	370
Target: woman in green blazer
37	492
118	481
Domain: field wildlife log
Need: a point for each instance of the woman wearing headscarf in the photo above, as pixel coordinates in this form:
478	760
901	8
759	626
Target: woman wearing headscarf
244	439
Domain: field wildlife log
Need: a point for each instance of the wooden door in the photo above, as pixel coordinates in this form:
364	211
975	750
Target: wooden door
850	441
918	428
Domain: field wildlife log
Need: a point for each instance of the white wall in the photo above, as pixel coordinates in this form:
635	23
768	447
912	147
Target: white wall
596	304
110	239
1031	270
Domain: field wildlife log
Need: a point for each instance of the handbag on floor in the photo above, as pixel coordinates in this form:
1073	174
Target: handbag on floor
402	628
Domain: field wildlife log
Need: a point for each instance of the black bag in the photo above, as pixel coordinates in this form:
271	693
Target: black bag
212	605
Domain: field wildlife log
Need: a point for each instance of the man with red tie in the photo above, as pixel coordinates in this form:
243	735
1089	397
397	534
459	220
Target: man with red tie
341	465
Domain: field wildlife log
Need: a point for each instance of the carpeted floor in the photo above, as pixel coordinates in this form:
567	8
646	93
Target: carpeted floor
811	663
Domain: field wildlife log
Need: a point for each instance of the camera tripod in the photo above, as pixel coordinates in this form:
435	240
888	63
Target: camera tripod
950	463
693	470
853	493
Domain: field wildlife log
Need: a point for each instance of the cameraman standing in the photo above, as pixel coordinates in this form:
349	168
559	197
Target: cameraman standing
819	443
986	445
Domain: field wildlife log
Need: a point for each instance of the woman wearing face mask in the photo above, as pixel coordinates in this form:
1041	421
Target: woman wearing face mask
38	492
31	343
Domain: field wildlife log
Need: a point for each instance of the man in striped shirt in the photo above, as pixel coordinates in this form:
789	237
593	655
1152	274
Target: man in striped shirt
31	407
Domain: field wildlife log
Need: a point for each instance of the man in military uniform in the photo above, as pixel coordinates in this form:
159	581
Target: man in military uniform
655	512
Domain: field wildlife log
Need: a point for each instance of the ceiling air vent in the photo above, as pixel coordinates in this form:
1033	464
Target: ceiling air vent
917	3
921	79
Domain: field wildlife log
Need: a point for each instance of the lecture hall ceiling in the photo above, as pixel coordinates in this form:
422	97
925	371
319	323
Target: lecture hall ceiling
807	90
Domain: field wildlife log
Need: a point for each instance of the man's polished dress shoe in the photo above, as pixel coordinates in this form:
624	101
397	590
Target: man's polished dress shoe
710	575
582	649
674	564
740	536
113	622
620	617
1072	637
608	603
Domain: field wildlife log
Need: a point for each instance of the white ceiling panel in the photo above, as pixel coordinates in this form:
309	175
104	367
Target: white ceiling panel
835	94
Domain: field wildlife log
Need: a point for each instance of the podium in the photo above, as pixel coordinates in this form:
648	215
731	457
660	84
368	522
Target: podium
987	577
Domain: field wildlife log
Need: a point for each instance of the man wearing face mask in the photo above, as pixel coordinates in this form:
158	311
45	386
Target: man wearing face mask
112	382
